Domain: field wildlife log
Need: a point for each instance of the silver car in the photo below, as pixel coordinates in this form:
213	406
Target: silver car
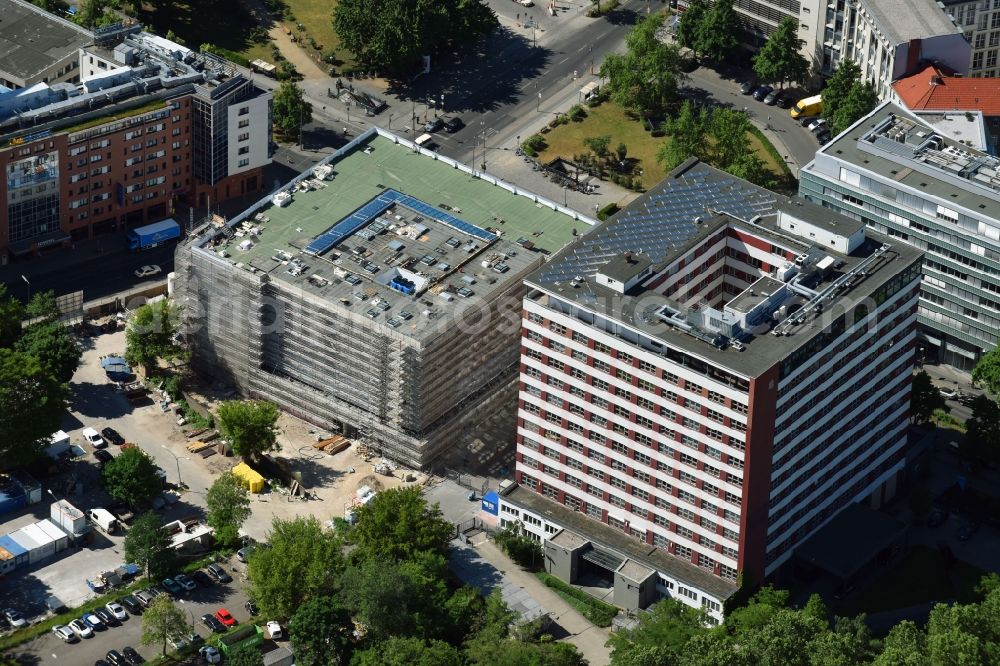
81	629
65	634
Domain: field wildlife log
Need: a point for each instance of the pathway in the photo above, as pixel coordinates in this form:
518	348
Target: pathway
590	640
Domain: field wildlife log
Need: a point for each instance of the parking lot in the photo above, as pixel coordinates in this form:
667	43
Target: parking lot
49	649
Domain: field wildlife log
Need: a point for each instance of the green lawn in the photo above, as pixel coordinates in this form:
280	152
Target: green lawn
610	119
920	576
224	23
316	16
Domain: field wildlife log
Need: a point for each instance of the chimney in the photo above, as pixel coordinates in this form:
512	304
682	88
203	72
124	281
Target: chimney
936	80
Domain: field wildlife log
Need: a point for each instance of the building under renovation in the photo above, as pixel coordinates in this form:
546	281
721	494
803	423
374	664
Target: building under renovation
378	295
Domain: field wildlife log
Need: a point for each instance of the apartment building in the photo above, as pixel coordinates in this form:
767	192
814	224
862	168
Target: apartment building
902	178
706	380
378	296
38	47
980	22
150	125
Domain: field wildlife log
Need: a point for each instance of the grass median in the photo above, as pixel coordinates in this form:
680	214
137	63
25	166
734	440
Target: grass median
595	610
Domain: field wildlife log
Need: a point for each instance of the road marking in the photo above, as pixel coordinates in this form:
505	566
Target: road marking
562	61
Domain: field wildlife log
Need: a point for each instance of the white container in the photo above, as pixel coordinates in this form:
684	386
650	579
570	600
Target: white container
58	537
68	517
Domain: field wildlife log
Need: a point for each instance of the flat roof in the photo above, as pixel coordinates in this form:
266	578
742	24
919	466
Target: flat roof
900	167
850	540
394	234
903	20
616	540
32	40
693	203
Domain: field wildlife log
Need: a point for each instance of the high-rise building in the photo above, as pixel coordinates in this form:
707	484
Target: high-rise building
902	178
151	124
706	380
377	296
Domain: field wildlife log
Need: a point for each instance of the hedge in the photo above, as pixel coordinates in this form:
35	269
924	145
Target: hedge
607	211
595	610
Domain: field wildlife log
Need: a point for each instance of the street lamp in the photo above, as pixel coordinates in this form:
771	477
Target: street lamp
29	285
180	483
538	104
564	196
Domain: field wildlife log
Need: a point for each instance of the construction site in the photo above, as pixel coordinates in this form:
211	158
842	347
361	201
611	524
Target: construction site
377	296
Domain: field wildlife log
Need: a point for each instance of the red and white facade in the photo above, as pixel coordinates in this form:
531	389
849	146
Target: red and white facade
724	460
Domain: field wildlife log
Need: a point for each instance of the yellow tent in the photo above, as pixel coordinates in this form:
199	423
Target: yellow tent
250	478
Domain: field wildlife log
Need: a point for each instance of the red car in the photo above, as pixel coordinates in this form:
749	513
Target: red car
223	616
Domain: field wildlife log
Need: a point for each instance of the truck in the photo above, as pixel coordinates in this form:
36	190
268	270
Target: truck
151	235
103	519
808	107
58	445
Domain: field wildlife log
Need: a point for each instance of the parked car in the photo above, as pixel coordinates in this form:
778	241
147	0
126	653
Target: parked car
433	125
194	639
94	438
14	618
824	137
111	435
65	634
117	610
144	597
210	654
251	608
748	87
185	582
772	97
202	578
212	623
107	617
81	629
816	125
785	100
225	617
131	604
177	642
116	658
967	531
948	393
761	93
133	657
806	121
94	622
218	573
452	125
147	271
103	456
243	553
172	588
156	590
274	630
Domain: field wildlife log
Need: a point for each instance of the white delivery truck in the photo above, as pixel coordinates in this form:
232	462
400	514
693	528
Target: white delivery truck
103	519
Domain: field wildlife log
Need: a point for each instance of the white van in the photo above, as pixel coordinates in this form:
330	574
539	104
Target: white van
424	140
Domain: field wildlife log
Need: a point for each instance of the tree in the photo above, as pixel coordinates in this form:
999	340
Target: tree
11	314
32	403
906	645
150	335
321	632
42	305
860	100
304	562
245	655
667	627
96	13
687	136
689	25
398	523
228	504
52	6
717	32
409	652
394	34
161	621
982	434
250	426
405	598
132	477
621	152
290	109
750	167
172	36
147	544
924	399
730	128
838	86
520	547
780	58
598	144
987	371
646	78
54	347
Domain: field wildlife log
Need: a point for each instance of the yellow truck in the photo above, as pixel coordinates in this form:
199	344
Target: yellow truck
808	107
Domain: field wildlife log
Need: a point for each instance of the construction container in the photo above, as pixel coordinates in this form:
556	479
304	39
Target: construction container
68	517
250	478
15	549
7	562
58	537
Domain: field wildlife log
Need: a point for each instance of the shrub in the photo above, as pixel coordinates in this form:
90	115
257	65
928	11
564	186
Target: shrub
577	113
519	547
595	610
607	211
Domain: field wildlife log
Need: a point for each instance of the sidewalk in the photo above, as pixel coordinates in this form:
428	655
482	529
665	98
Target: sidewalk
590	640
